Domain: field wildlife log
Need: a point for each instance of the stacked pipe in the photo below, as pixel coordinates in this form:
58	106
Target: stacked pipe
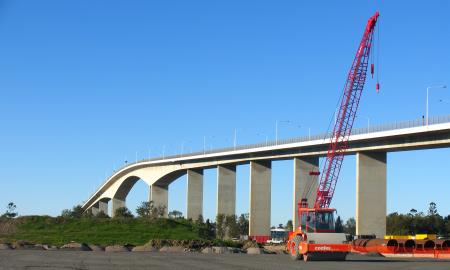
420	248
443	244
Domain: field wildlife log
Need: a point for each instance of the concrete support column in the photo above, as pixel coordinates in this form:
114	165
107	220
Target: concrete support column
260	191
371	193
116	204
103	206
226	190
94	209
160	197
100	206
304	184
194	196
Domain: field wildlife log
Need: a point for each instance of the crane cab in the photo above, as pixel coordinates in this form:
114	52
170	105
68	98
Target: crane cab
315	220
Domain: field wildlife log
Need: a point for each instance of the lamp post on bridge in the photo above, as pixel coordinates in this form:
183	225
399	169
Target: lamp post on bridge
428	92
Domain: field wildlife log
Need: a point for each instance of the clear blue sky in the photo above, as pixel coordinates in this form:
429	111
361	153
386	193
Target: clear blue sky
86	84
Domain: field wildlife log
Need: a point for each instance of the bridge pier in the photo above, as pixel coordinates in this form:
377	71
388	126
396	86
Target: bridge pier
371	193
304	184
226	190
194	197
160	197
116	204
260	200
100	206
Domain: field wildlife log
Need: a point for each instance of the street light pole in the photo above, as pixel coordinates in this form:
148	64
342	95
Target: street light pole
276	132
235	138
204	145
428	92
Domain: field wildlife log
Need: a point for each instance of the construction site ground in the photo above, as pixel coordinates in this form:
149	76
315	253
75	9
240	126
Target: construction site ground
30	259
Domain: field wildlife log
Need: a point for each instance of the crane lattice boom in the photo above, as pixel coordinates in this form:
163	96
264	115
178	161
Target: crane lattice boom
345	118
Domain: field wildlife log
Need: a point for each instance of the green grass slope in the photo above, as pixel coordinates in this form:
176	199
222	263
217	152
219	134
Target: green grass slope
102	231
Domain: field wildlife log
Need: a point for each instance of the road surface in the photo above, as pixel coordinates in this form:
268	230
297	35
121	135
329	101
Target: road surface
61	260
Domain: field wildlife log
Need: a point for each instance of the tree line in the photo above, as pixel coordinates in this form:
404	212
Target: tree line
223	227
411	223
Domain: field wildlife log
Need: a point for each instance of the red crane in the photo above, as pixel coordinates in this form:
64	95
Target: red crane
315	237
345	117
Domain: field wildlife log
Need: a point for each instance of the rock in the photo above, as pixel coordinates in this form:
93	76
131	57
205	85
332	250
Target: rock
96	248
159	243
22	244
172	249
144	248
207	250
73	246
5	247
50	247
254	250
220	250
250	244
272	249
234	250
116	248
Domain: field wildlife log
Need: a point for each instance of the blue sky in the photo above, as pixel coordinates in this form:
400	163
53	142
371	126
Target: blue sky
86	84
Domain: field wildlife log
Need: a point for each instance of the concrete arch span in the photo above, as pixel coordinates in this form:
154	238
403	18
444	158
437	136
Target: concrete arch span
158	178
158	189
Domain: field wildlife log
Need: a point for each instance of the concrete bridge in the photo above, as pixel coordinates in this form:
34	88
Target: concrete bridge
370	145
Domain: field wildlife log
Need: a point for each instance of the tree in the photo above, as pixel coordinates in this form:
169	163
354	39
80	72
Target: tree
412	212
161	211
123	212
200	220
338	227
76	212
289	226
243	224
10	211
175	214
209	231
145	209
447	226
432	209
350	226
232	228
101	214
66	213
220	226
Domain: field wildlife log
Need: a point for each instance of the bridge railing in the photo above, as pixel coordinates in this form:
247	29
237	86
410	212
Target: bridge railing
323	136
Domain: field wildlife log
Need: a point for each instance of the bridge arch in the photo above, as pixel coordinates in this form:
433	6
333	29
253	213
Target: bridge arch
122	191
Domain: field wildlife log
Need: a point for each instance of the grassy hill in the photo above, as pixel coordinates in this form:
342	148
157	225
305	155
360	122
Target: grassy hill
102	231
